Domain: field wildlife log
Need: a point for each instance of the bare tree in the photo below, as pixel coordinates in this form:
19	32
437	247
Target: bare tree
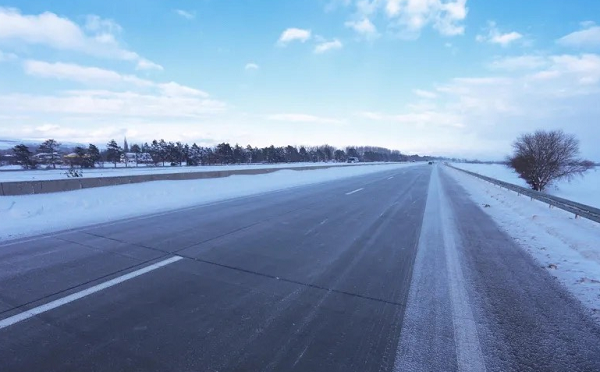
546	156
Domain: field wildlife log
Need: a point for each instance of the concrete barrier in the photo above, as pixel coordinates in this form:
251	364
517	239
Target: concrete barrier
70	184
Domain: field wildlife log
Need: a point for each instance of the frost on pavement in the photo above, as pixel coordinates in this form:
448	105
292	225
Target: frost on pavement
567	247
27	215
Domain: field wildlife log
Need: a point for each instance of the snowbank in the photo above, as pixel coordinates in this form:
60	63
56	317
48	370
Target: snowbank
27	215
109	171
568	248
585	190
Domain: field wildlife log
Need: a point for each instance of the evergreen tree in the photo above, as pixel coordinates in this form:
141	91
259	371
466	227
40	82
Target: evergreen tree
339	155
225	153
93	155
113	152
135	148
304	156
23	157
51	147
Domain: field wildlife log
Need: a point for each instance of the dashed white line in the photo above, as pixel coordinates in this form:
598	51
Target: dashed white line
390	177
355	191
86	292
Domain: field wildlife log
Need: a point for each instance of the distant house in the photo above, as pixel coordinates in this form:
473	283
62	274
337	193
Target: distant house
135	158
353	159
46	158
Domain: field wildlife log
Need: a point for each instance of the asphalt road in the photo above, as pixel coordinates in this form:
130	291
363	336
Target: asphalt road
394	271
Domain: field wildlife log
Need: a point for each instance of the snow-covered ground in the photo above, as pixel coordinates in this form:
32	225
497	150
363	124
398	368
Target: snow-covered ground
585	190
27	215
568	248
110	171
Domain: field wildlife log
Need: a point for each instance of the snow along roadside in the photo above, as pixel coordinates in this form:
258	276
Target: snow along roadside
28	215
568	248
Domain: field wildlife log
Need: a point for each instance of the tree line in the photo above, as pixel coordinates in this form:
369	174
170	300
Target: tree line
161	152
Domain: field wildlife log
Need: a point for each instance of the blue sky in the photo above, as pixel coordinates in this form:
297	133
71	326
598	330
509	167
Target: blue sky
442	77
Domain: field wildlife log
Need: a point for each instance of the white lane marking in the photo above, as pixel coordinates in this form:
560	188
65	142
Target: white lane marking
355	191
390	177
86	292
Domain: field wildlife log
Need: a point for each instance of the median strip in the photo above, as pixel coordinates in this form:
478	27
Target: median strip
86	292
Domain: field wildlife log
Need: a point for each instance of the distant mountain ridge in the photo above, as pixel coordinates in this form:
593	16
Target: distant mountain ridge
7	144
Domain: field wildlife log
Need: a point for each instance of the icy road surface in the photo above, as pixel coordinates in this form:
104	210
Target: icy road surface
394	270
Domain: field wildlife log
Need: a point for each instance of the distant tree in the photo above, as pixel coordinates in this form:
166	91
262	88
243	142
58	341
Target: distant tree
291	154
186	154
93	155
51	147
352	152
163	151
339	156
23	157
78	158
304	156
135	148
546	156
239	154
113	152
327	152
225	153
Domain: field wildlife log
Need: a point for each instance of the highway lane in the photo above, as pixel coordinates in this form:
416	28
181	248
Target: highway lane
316	278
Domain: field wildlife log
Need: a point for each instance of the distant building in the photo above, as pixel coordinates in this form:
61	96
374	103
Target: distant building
142	158
46	158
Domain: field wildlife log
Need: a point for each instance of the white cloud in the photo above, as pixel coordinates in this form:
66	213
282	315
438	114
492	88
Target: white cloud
407	18
144	64
326	46
185	14
494	36
101	77
418	118
304	118
99	38
527	62
173	89
425	93
581	69
364	28
251	66
105	103
294	34
588	36
83	74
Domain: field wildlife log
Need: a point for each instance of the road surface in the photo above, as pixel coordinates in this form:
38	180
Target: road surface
394	271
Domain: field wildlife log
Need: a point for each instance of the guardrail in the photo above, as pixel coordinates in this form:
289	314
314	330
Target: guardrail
14	188
578	209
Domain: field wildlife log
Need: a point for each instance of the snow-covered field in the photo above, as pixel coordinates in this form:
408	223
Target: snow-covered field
585	190
16	174
27	215
568	248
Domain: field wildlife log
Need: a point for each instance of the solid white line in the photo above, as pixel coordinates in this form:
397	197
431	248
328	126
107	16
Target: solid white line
86	292
355	191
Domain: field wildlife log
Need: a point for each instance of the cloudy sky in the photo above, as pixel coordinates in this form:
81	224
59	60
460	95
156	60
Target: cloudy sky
441	77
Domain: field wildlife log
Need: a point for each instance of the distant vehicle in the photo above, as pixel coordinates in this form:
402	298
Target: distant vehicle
353	159
430	163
